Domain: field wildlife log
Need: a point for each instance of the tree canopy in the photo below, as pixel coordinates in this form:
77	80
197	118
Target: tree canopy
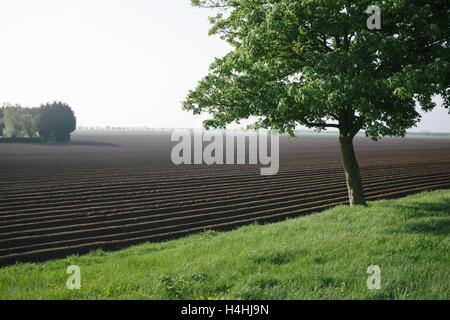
56	121
17	121
52	121
315	63
2	123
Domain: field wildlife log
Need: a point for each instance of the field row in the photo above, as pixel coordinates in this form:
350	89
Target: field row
119	191
51	238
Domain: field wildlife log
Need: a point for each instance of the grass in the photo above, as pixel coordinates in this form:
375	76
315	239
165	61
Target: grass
321	256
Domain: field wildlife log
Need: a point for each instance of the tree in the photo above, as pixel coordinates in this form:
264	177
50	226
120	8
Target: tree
316	64
29	123
2	124
55	122
18	121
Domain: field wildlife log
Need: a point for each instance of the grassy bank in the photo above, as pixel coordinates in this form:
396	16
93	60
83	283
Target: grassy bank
321	256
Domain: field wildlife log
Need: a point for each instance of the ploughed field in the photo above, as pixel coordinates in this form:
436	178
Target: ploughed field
111	191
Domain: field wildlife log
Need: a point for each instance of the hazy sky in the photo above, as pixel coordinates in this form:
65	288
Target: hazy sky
115	62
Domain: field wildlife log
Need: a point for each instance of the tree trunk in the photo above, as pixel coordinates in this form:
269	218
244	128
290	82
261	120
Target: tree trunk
351	169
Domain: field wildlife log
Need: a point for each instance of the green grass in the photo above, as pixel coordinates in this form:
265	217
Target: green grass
321	256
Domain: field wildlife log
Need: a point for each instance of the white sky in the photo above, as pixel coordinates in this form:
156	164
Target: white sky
115	62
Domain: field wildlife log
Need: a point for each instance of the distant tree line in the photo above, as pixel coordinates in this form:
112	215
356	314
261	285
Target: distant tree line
133	129
51	122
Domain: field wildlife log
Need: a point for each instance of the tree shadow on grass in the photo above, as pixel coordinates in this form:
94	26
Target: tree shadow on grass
437	216
441	227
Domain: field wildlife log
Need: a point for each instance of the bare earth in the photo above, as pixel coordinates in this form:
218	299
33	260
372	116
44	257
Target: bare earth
111	191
